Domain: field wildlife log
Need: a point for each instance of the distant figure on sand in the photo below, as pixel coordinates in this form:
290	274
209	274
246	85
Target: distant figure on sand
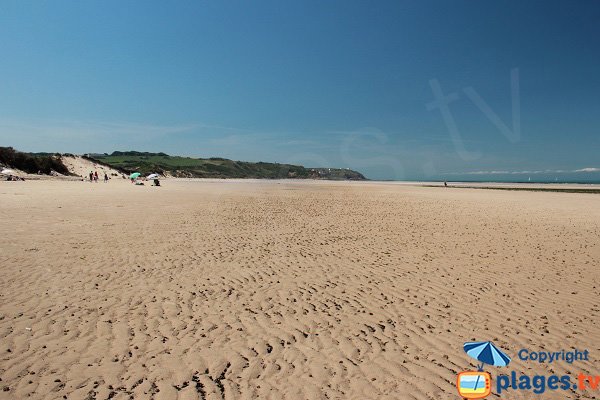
105	178
445	184
91	176
96	176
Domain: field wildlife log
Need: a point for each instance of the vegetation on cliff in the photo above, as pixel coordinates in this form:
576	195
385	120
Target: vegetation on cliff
32	163
215	167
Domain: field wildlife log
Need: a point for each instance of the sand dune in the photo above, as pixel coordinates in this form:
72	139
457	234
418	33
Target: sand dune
295	290
81	167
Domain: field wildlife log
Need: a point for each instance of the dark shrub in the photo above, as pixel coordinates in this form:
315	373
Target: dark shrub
32	163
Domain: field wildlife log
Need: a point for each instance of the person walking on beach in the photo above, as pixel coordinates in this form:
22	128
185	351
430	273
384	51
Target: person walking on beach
96	176
105	178
91	176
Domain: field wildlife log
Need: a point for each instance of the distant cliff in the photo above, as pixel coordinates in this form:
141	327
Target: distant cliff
134	161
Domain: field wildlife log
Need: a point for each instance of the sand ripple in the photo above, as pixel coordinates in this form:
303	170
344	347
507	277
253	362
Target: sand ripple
245	290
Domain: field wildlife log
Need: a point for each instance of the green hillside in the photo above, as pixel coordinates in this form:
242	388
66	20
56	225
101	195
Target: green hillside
133	161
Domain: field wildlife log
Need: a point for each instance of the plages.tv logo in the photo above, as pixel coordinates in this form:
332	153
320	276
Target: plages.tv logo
478	384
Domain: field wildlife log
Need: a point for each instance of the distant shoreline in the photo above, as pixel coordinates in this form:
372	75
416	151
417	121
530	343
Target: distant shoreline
494	182
529	189
563	187
521	186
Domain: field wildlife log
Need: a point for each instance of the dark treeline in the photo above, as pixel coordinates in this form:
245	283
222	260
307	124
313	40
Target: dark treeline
32	163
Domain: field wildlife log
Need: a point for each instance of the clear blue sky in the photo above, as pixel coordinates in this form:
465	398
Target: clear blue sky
320	83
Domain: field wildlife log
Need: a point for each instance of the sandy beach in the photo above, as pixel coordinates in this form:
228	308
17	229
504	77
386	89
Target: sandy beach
230	289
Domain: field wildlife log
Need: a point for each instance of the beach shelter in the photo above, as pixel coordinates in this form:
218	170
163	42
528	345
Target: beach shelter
135	175
153	176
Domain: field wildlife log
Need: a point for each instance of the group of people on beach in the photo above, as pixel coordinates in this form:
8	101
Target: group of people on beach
94	177
14	178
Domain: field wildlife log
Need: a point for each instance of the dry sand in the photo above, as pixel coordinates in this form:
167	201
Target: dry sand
81	167
295	290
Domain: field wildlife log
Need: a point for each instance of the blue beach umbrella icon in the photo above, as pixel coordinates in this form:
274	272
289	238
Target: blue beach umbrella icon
486	353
